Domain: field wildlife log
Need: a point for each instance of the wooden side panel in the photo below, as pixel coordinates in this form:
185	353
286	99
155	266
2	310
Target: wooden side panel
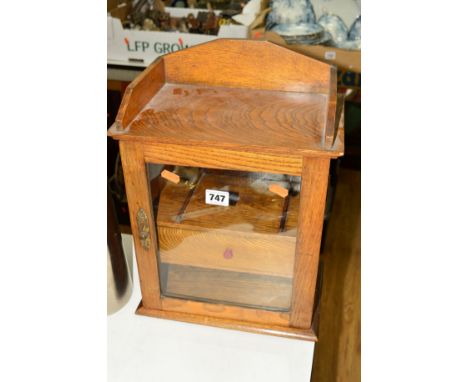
211	157
139	92
225	311
331	116
311	210
138	196
247	64
332	134
338	140
340	115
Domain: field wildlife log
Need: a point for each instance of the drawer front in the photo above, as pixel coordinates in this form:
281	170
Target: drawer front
261	254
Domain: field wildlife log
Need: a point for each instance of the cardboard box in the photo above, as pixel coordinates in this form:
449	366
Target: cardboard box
346	60
138	47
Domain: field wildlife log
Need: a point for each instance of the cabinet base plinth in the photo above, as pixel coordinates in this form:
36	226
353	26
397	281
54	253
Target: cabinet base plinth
274	330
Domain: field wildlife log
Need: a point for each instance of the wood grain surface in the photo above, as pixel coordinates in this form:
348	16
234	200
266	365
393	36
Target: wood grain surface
248	64
139	92
338	352
256	254
218	158
224	117
338	129
250	229
219	310
311	211
218	95
332	103
235	324
137	189
257	211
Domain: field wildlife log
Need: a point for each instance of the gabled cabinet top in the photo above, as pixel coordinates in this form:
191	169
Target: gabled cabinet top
236	94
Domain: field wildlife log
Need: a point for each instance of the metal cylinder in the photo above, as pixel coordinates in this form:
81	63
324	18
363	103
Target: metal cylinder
119	282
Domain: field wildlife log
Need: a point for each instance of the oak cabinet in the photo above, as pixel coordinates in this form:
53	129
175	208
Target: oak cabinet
226	149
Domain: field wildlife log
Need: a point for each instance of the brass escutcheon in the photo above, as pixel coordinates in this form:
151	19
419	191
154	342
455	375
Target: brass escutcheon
143	229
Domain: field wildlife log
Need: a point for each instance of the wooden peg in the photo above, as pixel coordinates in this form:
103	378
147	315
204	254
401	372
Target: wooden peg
170	176
278	190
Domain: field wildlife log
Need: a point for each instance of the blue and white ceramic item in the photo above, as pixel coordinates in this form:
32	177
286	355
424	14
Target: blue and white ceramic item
295	21
336	27
355	30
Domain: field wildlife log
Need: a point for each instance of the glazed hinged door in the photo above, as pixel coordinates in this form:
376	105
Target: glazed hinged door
225	237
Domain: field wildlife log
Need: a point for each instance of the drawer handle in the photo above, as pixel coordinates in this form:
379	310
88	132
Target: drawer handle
228	254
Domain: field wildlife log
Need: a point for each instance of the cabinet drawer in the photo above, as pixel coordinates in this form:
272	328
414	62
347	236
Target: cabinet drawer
240	252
